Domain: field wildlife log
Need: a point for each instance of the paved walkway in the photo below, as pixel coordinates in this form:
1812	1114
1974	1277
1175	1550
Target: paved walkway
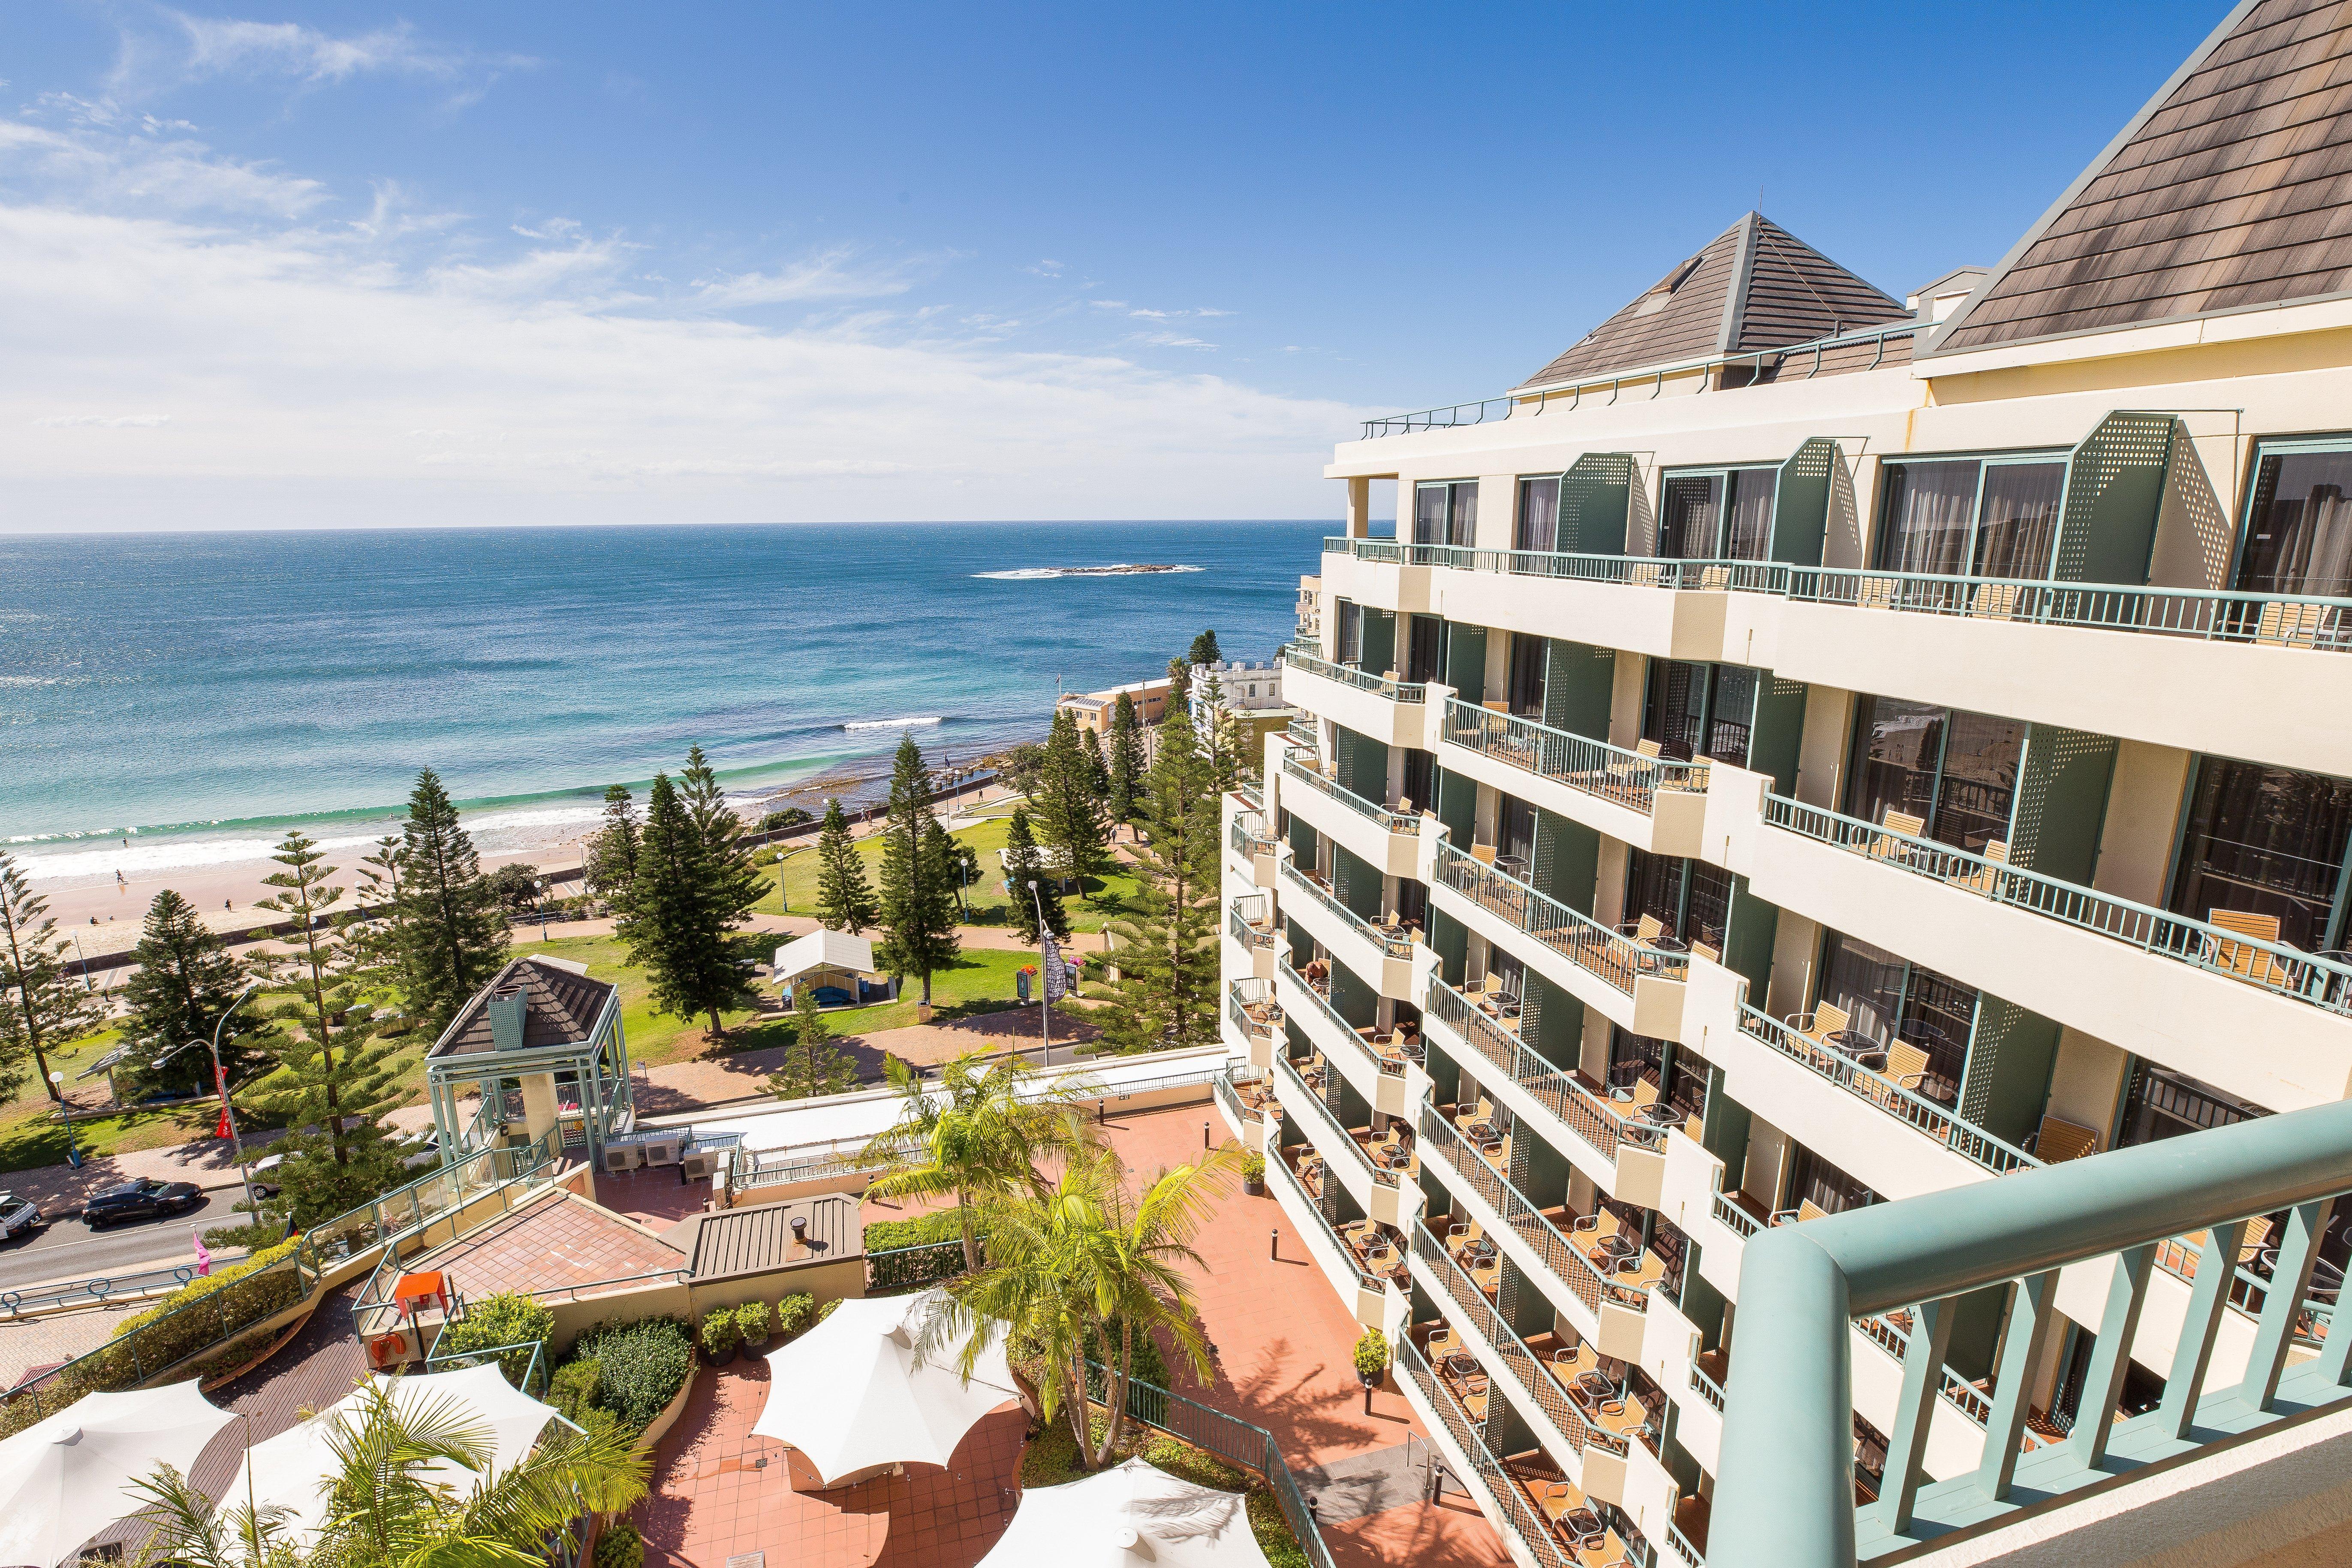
45	1340
60	1189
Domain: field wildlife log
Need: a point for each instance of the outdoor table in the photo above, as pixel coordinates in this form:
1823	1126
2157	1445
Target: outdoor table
1859	1048
1666	945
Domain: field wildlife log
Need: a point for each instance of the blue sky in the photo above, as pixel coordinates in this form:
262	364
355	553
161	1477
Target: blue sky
349	264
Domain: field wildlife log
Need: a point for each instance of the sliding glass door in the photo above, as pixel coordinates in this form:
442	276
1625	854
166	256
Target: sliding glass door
1445	512
2267	841
1955	771
2298	526
1538	524
1895	1001
1971	517
1718	514
1700	710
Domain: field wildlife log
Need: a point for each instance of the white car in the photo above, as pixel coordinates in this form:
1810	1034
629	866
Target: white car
264	1172
18	1215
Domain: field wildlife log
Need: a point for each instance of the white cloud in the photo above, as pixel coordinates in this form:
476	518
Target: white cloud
396	365
1107	304
1047	268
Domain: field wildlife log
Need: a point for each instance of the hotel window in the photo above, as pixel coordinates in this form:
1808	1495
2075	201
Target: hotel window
1955	771
1537	525
1526	687
1892	1000
1699	710
1421	778
1691	899
1445	512
1972	517
1718	514
1424	649
2267	841
2166	1104
2298	532
1814	1180
1516	828
1352	632
1677	1073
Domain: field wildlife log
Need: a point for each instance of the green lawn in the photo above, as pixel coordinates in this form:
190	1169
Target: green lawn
1105	900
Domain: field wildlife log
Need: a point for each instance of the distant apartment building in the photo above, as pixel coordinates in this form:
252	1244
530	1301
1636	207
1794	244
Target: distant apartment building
1804	750
1248	695
1093	709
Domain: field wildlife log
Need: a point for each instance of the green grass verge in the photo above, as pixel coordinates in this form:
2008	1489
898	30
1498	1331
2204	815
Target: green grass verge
792	882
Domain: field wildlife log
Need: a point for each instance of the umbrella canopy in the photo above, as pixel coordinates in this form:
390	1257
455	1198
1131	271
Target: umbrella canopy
64	1479
1127	1517
295	1469
853	1393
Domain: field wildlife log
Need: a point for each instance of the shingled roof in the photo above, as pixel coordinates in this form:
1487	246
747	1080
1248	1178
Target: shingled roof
560	1008
2232	189
1754	286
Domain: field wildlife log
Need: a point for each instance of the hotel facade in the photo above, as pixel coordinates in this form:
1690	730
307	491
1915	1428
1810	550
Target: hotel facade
1807	751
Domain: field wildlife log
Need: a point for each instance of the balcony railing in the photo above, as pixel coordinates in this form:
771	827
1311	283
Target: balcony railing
1229	1093
1680	1546
1242	922
1940	1122
1590	767
1519	1515
1617	960
1349	675
1248	835
1388	821
1393	943
1254	1011
1527	1368
1705	1387
2279	620
1566	1260
1392	1065
2274	967
1364	1278
1785	1496
1958	1393
1336	1135
1586	1114
1734	1218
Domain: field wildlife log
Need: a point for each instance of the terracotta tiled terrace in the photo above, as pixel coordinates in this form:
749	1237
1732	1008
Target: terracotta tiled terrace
552	1243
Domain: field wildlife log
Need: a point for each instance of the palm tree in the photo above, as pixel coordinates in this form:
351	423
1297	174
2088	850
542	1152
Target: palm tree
387	1510
1089	1262
984	1130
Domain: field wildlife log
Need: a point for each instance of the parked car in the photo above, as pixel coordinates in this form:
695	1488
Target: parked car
264	1172
145	1198
18	1215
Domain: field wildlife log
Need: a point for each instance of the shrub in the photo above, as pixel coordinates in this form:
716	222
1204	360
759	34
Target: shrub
1371	1355
719	1334
248	1292
794	1313
505	1319
826	1311
891	1235
640	1366
1149	1365
752	1320
575	1385
1253	1166
618	1545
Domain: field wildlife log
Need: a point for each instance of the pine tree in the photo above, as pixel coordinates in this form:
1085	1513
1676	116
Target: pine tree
917	904
1126	759
844	899
40	1008
331	1086
451	932
961	860
813	1066
1069	819
1097	768
1167	995
735	883
184	986
612	860
677	922
1204	650
1020	868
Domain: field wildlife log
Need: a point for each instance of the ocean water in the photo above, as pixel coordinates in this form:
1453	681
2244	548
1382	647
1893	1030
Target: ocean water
196	694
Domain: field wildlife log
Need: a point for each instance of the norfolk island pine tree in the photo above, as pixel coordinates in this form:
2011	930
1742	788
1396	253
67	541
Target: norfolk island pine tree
917	903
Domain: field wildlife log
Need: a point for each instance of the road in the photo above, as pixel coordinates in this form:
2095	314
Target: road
68	1249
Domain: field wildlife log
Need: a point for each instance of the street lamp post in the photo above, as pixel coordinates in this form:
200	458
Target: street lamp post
229	1110
1044	1008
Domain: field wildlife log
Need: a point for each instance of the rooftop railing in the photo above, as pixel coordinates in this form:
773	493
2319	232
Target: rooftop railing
1617	959
1335	1136
1388	821
1566	1260
1393	943
2272	966
1586	1114
1785	1497
1591	767
1412	691
1937	1120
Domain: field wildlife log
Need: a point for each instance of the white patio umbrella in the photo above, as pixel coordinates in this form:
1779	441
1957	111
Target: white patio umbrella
294	1469
1124	1517
64	1479
853	1394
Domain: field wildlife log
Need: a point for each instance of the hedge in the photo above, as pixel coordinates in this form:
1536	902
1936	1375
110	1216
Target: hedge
506	1318
890	1235
202	1313
640	1367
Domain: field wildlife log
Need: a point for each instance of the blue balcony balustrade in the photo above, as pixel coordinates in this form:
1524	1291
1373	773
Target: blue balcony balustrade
1564	1094
1413	692
1386	820
1617	959
1590	767
1394	941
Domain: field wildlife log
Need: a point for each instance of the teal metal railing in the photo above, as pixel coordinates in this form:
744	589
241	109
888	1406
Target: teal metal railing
1938	1122
1586	765
1248	835
1392	943
1249	1001
1386	820
1538	1386
1412	691
1580	1110
1785	1497
1365	1278
1335	1136
2272	966
1392	1065
1617	960
1705	1387
1734	1218
1229	1092
1561	1258
1469	1434
1242	918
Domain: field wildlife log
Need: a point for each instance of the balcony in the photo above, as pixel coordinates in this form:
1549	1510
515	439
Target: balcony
1368	1160
1251	1006
1245	1092
1300	1194
2195	992
1651	803
1389	841
1253	849
1634	984
1382	953
1386	708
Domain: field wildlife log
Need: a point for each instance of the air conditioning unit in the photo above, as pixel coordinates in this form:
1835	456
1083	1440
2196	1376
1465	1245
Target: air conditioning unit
661	1151
623	1159
701	1165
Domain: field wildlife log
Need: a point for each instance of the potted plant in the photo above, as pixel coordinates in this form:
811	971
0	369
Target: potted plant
721	1338
1372	1363
752	1325
1254	1173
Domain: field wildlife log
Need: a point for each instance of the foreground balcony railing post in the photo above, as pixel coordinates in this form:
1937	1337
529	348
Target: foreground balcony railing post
1786	1493
2274	966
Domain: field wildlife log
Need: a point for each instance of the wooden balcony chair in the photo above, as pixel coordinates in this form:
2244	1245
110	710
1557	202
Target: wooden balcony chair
1646	749
1886	847
1393	677
1704	950
1483	852
1988	878
1876	593
1805	1210
1501	708
1994	601
2243	959
1647	574
1648	929
2058	1139
1819	1023
2291	625
1906	1066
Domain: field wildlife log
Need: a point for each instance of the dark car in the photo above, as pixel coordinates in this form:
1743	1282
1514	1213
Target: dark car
145	1198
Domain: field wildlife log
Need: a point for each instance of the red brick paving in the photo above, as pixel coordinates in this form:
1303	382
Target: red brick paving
1451	1535
713	1498
548	1244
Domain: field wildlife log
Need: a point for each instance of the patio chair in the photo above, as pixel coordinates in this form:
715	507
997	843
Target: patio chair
1819	1024
2243	960
1483	852
1647	574
1876	593
1901	822
2287	626
1988	876
1907	1066
1994	601
1702	949
1805	1210
1713	579
2058	1139
1501	708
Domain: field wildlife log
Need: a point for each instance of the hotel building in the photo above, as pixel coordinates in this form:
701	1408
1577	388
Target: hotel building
1806	750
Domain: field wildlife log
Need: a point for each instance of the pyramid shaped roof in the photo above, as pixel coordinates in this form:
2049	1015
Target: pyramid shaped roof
2231	190
1754	286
